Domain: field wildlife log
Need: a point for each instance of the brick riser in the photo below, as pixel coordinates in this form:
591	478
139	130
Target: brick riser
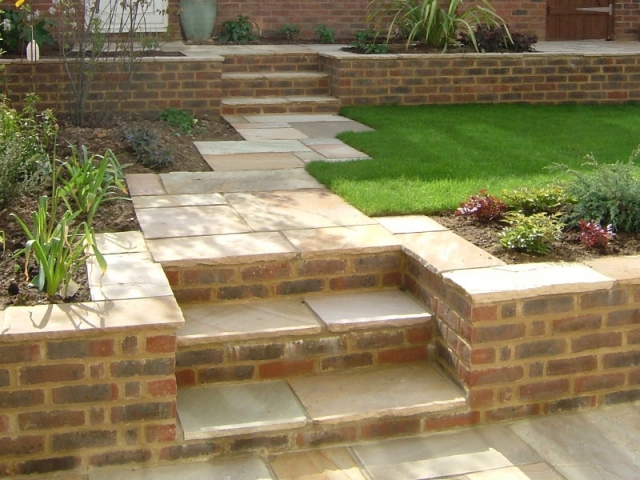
326	352
320	435
275	86
334	272
269	91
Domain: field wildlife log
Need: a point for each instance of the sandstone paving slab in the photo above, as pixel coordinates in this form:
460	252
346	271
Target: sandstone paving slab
410	224
216	322
623	269
233	409
253	161
257	134
323	464
537	471
307	157
255	101
221	249
241	181
355	395
258	146
189	221
321	141
442	251
130	275
349	311
244	468
162	201
144	184
329	129
340	152
599	444
291	210
120	242
527	280
445	455
55	320
295	118
357	239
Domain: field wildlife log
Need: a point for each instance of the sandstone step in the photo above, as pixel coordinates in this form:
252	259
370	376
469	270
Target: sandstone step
275	84
279	105
347	406
315	334
271	62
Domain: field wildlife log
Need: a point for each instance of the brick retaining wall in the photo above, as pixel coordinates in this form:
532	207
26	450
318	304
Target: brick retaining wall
482	78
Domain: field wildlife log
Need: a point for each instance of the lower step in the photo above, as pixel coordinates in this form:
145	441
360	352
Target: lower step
279	105
303	412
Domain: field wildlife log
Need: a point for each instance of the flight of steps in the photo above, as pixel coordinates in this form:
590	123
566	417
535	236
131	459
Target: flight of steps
275	84
286	374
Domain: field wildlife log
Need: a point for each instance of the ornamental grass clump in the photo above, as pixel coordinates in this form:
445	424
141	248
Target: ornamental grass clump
605	193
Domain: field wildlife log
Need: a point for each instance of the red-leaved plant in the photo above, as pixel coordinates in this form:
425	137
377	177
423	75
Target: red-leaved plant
594	235
483	207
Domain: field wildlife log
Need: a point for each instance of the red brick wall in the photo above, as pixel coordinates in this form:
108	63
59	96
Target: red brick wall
89	399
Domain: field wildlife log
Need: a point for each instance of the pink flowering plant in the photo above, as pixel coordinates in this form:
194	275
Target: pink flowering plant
594	235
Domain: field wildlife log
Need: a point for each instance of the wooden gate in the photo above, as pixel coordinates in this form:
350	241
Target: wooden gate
579	19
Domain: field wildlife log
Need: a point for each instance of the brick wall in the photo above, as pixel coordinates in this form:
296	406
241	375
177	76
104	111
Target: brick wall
85	399
483	78
536	355
193	85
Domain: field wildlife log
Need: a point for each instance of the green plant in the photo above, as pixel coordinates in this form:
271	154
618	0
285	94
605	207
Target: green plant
325	34
426	21
483	207
289	30
594	235
238	31
497	38
533	234
605	193
180	119
146	147
18	26
365	42
91	181
530	200
25	138
3	241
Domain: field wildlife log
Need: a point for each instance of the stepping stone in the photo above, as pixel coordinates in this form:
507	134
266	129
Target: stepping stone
246	468
254	161
216	322
329	129
323	464
291	210
340	152
374	394
223	410
244	247
410	224
349	311
244	181
258	146
446	454
189	221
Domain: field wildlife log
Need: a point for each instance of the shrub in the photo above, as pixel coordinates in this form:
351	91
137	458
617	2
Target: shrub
426	21
16	30
289	31
530	200
365	42
24	141
325	34
238	31
532	234
606	193
594	235
177	118
498	38
146	147
483	207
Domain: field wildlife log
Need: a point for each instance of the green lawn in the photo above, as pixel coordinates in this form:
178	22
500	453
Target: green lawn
429	158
